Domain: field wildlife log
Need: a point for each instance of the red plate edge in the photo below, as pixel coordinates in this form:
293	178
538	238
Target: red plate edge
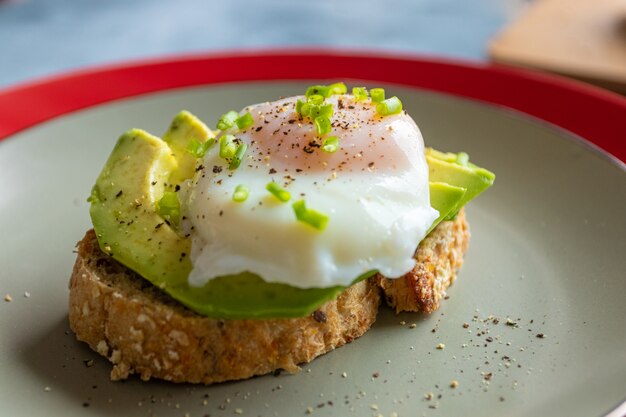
594	114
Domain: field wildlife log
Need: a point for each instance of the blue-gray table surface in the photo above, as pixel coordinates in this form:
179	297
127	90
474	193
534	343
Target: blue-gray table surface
43	37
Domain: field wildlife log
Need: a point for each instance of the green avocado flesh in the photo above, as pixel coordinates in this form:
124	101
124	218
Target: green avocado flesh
450	168
184	128
444	198
142	167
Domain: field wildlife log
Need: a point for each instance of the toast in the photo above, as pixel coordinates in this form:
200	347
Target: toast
439	257
143	331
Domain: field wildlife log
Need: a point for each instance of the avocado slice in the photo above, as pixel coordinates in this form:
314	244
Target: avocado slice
185	128
455	169
123	209
444	198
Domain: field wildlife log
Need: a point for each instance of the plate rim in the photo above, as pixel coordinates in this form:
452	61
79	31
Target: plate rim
591	113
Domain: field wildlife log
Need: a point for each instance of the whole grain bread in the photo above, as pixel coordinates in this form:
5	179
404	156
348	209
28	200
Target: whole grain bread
143	331
439	257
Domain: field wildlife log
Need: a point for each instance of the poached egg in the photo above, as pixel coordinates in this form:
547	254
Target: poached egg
373	189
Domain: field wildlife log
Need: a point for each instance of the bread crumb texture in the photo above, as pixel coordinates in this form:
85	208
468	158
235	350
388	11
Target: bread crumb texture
439	257
143	331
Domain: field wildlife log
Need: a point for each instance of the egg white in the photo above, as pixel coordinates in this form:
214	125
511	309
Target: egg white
374	190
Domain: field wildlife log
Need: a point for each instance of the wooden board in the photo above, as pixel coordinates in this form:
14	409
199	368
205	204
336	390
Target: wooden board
585	39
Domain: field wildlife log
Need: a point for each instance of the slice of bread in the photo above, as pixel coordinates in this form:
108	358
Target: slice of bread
142	330
439	257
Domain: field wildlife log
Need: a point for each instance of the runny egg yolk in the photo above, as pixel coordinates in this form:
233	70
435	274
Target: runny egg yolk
373	189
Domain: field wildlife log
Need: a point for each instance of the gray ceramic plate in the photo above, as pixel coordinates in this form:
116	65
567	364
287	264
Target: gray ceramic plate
547	253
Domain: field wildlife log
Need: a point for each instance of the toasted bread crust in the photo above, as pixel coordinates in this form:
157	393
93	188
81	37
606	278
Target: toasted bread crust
439	257
141	330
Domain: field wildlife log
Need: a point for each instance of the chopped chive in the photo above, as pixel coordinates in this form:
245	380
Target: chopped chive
238	157
390	106
327	110
278	192
462	159
338	88
241	193
199	149
245	121
168	207
311	217
227	146
299	105
321	90
322	125
227	120
330	144
315	99
377	94
195	148
324	110
305	109
359	93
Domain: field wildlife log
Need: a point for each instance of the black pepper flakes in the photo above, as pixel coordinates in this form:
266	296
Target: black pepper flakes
319	316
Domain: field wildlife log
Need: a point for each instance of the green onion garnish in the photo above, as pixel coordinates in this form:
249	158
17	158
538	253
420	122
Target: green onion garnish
311	217
315	99
359	93
330	144
227	120
322	125
390	106
324	110
238	157
198	149
299	105
462	159
245	121
377	94
338	88
241	193
321	90
305	109
227	146
169	206
280	193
